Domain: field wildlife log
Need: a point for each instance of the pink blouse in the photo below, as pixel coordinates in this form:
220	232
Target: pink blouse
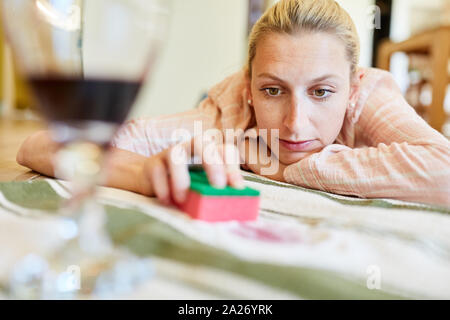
384	150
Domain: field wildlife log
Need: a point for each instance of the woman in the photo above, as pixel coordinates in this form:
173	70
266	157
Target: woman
341	128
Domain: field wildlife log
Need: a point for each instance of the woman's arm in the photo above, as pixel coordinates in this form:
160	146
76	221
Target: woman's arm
135	141
162	175
124	168
398	171
404	159
140	145
37	151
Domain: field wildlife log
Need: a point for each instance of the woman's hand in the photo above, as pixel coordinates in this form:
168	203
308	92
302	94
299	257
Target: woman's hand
166	174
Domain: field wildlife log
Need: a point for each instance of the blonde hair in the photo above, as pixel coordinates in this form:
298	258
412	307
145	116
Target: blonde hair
293	16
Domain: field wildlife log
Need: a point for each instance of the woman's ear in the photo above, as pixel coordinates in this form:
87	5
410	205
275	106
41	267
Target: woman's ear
250	97
355	86
249	91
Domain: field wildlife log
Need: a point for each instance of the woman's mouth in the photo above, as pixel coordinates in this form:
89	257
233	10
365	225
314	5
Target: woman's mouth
297	146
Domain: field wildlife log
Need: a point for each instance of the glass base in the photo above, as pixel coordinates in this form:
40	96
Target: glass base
85	265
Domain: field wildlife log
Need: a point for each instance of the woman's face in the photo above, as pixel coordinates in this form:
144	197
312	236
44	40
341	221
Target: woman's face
301	85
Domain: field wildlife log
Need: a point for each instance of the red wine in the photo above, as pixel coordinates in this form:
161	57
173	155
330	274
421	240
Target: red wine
68	100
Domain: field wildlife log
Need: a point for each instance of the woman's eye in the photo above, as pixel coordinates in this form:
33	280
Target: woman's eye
273	91
322	93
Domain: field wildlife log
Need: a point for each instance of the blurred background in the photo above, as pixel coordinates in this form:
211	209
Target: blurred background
207	41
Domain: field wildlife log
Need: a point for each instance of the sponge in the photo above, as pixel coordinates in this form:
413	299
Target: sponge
207	203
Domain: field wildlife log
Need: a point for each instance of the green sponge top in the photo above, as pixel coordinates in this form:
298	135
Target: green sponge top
200	184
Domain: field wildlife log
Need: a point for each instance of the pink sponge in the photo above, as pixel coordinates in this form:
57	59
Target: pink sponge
207	203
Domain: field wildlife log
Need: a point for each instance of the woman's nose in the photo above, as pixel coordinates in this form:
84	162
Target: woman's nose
296	118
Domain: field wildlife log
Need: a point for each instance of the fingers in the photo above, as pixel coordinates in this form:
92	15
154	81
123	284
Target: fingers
168	171
212	161
168	175
179	174
222	164
232	166
214	166
157	173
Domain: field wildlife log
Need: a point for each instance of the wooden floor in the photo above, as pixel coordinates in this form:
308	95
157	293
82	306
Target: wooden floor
12	134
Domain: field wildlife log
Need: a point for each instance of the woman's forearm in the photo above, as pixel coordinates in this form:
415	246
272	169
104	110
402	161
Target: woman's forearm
37	151
399	171
123	169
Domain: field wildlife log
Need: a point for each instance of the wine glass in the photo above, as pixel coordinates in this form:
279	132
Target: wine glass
85	62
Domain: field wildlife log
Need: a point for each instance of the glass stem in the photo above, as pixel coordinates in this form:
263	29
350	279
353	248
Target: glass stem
80	163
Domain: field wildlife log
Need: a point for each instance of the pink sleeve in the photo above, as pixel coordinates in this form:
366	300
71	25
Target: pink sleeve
225	107
150	136
403	157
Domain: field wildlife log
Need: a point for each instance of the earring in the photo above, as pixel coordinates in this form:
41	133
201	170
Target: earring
353	105
249	101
